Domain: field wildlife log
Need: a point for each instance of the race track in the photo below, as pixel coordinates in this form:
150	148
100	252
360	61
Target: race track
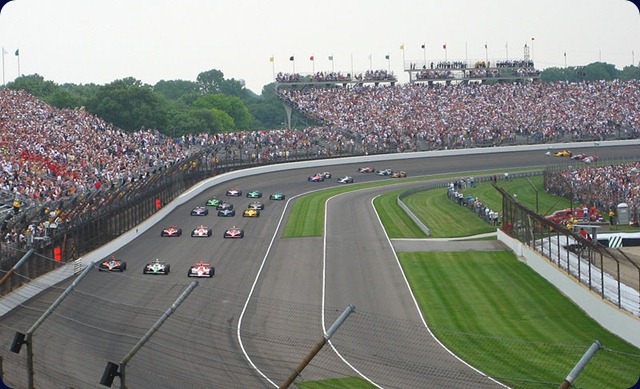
266	307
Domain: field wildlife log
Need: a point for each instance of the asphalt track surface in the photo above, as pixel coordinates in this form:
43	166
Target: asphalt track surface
267	305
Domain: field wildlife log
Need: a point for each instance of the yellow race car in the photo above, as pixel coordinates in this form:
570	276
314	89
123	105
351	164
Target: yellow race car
563	153
251	212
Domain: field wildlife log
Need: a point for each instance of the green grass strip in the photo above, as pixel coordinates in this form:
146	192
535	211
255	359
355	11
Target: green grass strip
349	382
503	318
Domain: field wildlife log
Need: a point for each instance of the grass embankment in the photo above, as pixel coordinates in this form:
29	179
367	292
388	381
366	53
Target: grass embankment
489	308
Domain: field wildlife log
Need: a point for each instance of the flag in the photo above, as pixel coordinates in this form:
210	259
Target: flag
565	53
311	58
386	56
444	46
291	58
532	38
331	58
401	47
485	45
423	46
270	59
17	52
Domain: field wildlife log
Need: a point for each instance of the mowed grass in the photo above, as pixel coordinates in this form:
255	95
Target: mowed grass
444	217
348	382
504	319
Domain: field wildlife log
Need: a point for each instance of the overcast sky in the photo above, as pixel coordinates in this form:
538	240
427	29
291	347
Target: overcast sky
99	41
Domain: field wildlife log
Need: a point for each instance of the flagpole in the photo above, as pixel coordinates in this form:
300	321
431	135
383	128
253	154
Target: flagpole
313	64
532	39
466	55
424	49
18	55
486	53
332	70
4	52
273	67
506	46
370	62
352	75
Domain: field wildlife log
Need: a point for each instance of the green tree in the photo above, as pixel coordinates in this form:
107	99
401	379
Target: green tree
210	82
174	89
35	85
630	72
130	105
63	98
231	105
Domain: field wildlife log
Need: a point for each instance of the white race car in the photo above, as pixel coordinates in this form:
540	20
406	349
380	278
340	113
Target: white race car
234	192
201	232
345	180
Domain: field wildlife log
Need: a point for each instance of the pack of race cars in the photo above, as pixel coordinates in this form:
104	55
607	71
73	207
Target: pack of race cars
224	208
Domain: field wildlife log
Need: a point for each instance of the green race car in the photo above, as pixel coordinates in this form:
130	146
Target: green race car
254	194
277	196
213	202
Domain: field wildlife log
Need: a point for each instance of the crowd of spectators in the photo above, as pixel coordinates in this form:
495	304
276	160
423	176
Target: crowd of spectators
518	63
418	116
476	206
434	74
484	73
449	65
369	75
48	153
601	186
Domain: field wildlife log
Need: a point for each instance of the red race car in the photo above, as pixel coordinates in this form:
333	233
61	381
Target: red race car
171	231
201	269
234	233
366	169
112	264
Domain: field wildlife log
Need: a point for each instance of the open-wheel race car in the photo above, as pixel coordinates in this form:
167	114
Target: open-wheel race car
234	233
213	202
171	231
234	192
112	264
250	212
201	232
156	267
318	177
345	180
255	205
254	194
366	169
277	196
226	212
201	269
199	211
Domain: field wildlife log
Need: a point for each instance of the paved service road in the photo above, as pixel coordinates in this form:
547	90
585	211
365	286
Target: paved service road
266	289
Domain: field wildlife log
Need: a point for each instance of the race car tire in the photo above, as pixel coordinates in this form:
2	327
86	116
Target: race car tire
209	233
168	269
212	272
179	231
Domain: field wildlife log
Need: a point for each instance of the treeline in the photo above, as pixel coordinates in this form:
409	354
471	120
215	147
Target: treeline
214	104
210	104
